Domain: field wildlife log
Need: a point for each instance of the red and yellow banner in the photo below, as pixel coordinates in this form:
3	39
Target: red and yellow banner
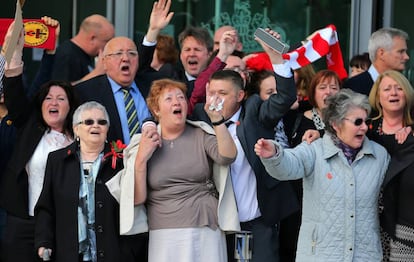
37	34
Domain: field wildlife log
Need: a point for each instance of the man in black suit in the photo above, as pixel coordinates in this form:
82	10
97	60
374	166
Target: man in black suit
121	64
261	200
387	49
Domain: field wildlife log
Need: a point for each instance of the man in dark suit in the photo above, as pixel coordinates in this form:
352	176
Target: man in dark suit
387	49
261	200
121	64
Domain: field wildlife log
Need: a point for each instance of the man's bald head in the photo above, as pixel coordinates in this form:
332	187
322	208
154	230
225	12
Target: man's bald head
94	32
219	32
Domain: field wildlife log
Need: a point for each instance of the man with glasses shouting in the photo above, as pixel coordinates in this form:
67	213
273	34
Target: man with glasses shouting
123	89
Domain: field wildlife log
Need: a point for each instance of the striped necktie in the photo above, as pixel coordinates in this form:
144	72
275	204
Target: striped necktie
131	112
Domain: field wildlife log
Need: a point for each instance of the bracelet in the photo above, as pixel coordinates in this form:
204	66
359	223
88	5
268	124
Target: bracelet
219	122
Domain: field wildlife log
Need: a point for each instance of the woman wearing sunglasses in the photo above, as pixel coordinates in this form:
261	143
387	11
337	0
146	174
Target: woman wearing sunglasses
392	98
342	175
77	219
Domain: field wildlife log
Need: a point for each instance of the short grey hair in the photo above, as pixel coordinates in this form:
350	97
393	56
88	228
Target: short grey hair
86	107
383	38
340	104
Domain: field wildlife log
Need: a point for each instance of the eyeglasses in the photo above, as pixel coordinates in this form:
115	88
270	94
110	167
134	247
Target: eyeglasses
359	121
89	122
119	54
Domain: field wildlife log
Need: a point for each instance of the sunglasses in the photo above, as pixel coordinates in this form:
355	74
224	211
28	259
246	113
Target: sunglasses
359	121
89	122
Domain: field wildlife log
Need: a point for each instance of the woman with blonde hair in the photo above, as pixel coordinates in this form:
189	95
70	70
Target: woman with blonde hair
392	98
388	80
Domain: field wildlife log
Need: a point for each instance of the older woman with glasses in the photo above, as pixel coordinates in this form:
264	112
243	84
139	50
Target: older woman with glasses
342	175
77	219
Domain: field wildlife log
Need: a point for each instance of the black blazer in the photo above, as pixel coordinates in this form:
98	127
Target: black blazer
361	83
181	76
99	89
56	211
29	131
257	120
401	164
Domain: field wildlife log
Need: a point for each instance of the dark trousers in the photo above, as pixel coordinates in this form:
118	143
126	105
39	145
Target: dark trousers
18	240
265	241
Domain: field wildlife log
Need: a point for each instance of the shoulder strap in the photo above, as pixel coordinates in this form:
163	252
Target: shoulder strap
296	125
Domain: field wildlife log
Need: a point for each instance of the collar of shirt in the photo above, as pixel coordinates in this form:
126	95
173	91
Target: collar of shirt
373	72
117	87
189	77
235	119
236	116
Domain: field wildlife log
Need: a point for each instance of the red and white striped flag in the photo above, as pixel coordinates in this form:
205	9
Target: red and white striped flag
323	42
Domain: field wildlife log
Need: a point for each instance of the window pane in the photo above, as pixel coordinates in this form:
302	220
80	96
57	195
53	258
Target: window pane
293	19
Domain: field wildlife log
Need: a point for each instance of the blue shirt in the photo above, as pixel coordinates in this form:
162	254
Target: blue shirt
140	105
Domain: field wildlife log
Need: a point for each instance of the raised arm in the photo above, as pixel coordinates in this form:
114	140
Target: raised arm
285	164
44	72
19	107
160	17
273	109
228	43
150	140
226	146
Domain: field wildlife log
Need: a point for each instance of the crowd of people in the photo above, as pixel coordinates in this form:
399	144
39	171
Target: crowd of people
125	151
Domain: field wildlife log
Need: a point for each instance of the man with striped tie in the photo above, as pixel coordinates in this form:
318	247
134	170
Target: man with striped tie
117	90
123	89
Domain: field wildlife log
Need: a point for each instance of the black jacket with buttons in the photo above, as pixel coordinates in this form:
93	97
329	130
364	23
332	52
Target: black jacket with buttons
56	211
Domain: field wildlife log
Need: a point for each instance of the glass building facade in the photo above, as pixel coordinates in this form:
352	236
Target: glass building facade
294	19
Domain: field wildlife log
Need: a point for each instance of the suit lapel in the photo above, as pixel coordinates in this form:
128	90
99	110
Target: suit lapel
115	130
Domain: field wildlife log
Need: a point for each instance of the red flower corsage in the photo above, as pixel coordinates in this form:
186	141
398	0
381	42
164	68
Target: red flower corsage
116	151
